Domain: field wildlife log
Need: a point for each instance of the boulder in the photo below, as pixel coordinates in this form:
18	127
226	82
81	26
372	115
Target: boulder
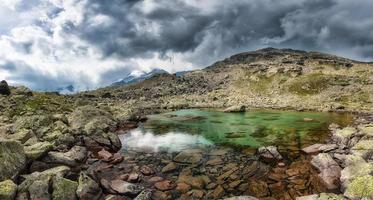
330	171
360	188
367	130
44	176
91	120
39	124
8	190
37	150
88	189
342	136
164	185
64	189
75	156
125	188
12	159
363	148
239	108
4	88
39	189
22	90
269	153
356	166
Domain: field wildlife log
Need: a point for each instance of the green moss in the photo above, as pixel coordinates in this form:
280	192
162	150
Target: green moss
64	189
309	84
7	190
361	187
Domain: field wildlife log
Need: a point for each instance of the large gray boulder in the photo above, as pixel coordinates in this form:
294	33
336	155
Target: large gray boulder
64	189
88	189
75	156
330	171
91	120
12	159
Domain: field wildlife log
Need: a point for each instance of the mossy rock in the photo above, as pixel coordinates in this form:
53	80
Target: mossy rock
38	150
368	130
12	159
64	189
330	196
363	148
361	188
22	135
8	190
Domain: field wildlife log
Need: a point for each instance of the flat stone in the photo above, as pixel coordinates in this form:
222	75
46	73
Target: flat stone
104	155
183	187
188	157
317	148
217	193
164	185
146	170
133	177
258	188
216	161
269	153
126	188
155	179
169	167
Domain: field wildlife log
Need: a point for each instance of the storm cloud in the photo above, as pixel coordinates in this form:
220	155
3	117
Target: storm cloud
91	43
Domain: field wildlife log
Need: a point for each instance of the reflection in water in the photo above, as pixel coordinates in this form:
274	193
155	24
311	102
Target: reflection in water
184	128
139	139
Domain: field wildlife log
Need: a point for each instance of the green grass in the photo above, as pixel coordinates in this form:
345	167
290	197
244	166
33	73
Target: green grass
309	84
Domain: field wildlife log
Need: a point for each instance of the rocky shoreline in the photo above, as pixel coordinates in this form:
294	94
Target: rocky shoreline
84	163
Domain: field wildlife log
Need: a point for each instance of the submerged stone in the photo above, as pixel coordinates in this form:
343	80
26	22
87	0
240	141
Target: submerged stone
330	171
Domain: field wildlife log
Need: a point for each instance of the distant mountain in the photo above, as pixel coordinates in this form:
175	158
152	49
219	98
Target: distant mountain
135	78
66	90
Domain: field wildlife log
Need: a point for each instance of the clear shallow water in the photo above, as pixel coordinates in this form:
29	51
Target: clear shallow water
183	129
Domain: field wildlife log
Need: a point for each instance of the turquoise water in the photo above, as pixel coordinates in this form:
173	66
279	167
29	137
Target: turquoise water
185	128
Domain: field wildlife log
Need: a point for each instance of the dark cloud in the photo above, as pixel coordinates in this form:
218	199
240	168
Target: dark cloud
197	32
323	25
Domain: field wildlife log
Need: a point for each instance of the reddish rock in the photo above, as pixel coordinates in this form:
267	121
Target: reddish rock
183	187
104	155
169	167
124	177
117	158
258	188
134	177
217	193
146	170
155	179
164	185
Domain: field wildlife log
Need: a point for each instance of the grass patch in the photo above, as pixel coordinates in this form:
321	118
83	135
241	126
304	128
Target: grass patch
309	84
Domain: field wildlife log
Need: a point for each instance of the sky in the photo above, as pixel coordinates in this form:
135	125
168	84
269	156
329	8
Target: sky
49	44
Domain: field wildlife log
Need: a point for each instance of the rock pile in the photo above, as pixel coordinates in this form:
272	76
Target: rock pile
346	164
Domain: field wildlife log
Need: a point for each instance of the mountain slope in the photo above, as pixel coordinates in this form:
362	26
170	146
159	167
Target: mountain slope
267	78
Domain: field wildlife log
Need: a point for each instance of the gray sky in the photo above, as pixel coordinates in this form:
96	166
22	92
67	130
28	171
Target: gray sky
47	44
